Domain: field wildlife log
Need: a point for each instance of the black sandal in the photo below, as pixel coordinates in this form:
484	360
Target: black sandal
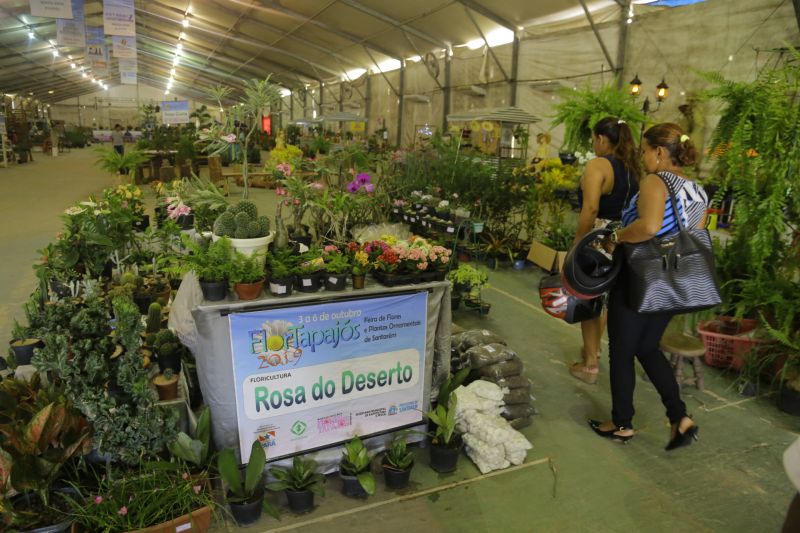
611	433
683	439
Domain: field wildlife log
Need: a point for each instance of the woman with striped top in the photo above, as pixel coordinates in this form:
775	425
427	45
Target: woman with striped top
666	149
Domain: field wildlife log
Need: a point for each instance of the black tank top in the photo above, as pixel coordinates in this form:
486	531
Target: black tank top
625	187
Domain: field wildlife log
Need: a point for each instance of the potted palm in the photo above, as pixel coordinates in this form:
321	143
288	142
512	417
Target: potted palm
245	495
247	275
211	262
354	469
397	463
301	483
446	442
337	268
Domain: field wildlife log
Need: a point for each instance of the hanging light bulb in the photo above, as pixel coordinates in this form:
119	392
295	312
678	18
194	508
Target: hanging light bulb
176	60
172	72
83	74
663	91
185	23
72	65
181	36
55	52
636	85
166	92
31	35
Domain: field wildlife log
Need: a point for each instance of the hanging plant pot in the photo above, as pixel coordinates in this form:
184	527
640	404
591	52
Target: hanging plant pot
358	281
247	513
351	487
213	291
477	227
249	291
444	459
307	282
280	287
396	479
23	349
301	501
335	282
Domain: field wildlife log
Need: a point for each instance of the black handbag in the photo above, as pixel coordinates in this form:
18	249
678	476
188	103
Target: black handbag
675	273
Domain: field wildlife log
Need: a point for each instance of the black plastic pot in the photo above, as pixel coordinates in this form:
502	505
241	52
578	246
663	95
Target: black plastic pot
280	287
307	282
59	289
352	487
789	401
23	354
142	224
396	479
335	282
444	458
143	302
214	291
455	301
247	513
166	361
186	221
60	527
301	501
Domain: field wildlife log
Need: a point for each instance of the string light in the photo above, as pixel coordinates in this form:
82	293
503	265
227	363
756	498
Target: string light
72	65
55	52
185	23
31	35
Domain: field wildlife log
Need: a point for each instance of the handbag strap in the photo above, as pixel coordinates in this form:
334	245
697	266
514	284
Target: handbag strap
674	202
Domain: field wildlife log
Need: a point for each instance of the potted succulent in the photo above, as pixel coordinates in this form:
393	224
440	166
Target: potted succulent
211	262
247	275
168	349
167	385
301	483
446	442
249	232
337	269
280	265
354	469
397	463
308	271
245	496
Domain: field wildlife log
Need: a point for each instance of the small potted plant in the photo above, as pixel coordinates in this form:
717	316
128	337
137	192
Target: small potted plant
301	483
249	232
337	268
446	442
397	463
308	271
168	349
354	469
467	278
360	266
280	265
211	263
22	345
245	496
167	385
247	275
443	210
438	263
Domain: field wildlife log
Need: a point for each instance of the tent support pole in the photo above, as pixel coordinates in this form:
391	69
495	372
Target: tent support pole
486	43
514	68
597	34
623	41
446	91
797	11
400	102
291	106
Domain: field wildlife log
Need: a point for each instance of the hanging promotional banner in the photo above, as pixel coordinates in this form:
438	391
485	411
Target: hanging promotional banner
119	17
124	47
72	32
317	375
129	65
95	41
54	9
127	77
175	112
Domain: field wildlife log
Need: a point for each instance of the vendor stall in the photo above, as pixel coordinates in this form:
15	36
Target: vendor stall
309	371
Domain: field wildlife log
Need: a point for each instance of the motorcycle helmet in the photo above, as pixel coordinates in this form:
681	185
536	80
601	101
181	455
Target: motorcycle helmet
559	303
589	272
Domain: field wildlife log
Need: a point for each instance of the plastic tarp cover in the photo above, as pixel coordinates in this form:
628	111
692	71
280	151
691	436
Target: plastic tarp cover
205	331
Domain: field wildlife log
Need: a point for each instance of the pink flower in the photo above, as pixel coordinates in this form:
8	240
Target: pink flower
399	203
285	168
231	138
280	191
422	266
370	188
98	500
317	186
122	511
185	476
363	178
330	248
352	187
286	202
296	201
197	489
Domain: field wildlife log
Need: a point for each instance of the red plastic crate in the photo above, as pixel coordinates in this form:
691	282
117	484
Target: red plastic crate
728	351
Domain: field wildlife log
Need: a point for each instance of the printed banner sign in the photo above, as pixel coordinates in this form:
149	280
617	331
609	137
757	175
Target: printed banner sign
131	65
119	17
55	9
127	77
72	32
3	125
317	375
175	112
124	47
95	42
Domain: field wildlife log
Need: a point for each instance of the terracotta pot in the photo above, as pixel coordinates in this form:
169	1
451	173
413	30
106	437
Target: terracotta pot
198	521
168	390
358	281
249	291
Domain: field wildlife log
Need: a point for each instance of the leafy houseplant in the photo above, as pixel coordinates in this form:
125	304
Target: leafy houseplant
247	275
245	495
354	469
397	463
337	268
115	163
211	262
195	451
301	483
445	441
281	265
468	278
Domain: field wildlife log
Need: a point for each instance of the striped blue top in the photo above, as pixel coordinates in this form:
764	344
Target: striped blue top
692	202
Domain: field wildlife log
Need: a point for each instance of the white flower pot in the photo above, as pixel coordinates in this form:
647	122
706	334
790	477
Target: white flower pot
250	246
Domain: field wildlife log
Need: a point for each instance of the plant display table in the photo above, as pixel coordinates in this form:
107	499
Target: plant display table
206	328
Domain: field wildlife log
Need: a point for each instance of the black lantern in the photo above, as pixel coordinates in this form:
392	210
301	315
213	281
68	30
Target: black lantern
636	85
663	91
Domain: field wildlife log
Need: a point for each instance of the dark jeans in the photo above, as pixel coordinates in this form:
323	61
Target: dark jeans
630	335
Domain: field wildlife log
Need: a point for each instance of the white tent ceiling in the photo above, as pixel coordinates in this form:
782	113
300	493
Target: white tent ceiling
299	41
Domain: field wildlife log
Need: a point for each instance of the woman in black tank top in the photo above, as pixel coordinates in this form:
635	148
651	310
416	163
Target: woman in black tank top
608	182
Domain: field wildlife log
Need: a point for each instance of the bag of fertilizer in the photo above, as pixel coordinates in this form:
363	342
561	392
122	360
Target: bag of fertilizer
504	369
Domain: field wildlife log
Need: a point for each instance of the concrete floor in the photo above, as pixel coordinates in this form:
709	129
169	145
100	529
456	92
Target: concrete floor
732	480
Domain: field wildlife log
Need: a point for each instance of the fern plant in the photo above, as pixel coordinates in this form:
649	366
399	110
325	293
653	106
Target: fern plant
582	108
115	163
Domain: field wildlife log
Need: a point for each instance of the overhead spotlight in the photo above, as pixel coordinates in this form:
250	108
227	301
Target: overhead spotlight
105	87
179	47
31	35
51	91
185	23
189	10
69	57
94	80
83	74
176	60
172	72
72	65
55	52
166	92
182	36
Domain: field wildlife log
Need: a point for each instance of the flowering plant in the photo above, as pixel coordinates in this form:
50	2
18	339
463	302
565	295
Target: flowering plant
360	263
130	196
129	501
439	257
388	261
176	207
362	181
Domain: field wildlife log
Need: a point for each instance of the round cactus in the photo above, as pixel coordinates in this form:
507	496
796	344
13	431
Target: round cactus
225	225
246	206
264	223
241	233
242	219
254	229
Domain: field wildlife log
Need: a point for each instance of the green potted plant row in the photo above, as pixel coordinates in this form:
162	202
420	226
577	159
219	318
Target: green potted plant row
398	461
301	483
245	493
354	469
337	270
247	275
210	261
280	264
